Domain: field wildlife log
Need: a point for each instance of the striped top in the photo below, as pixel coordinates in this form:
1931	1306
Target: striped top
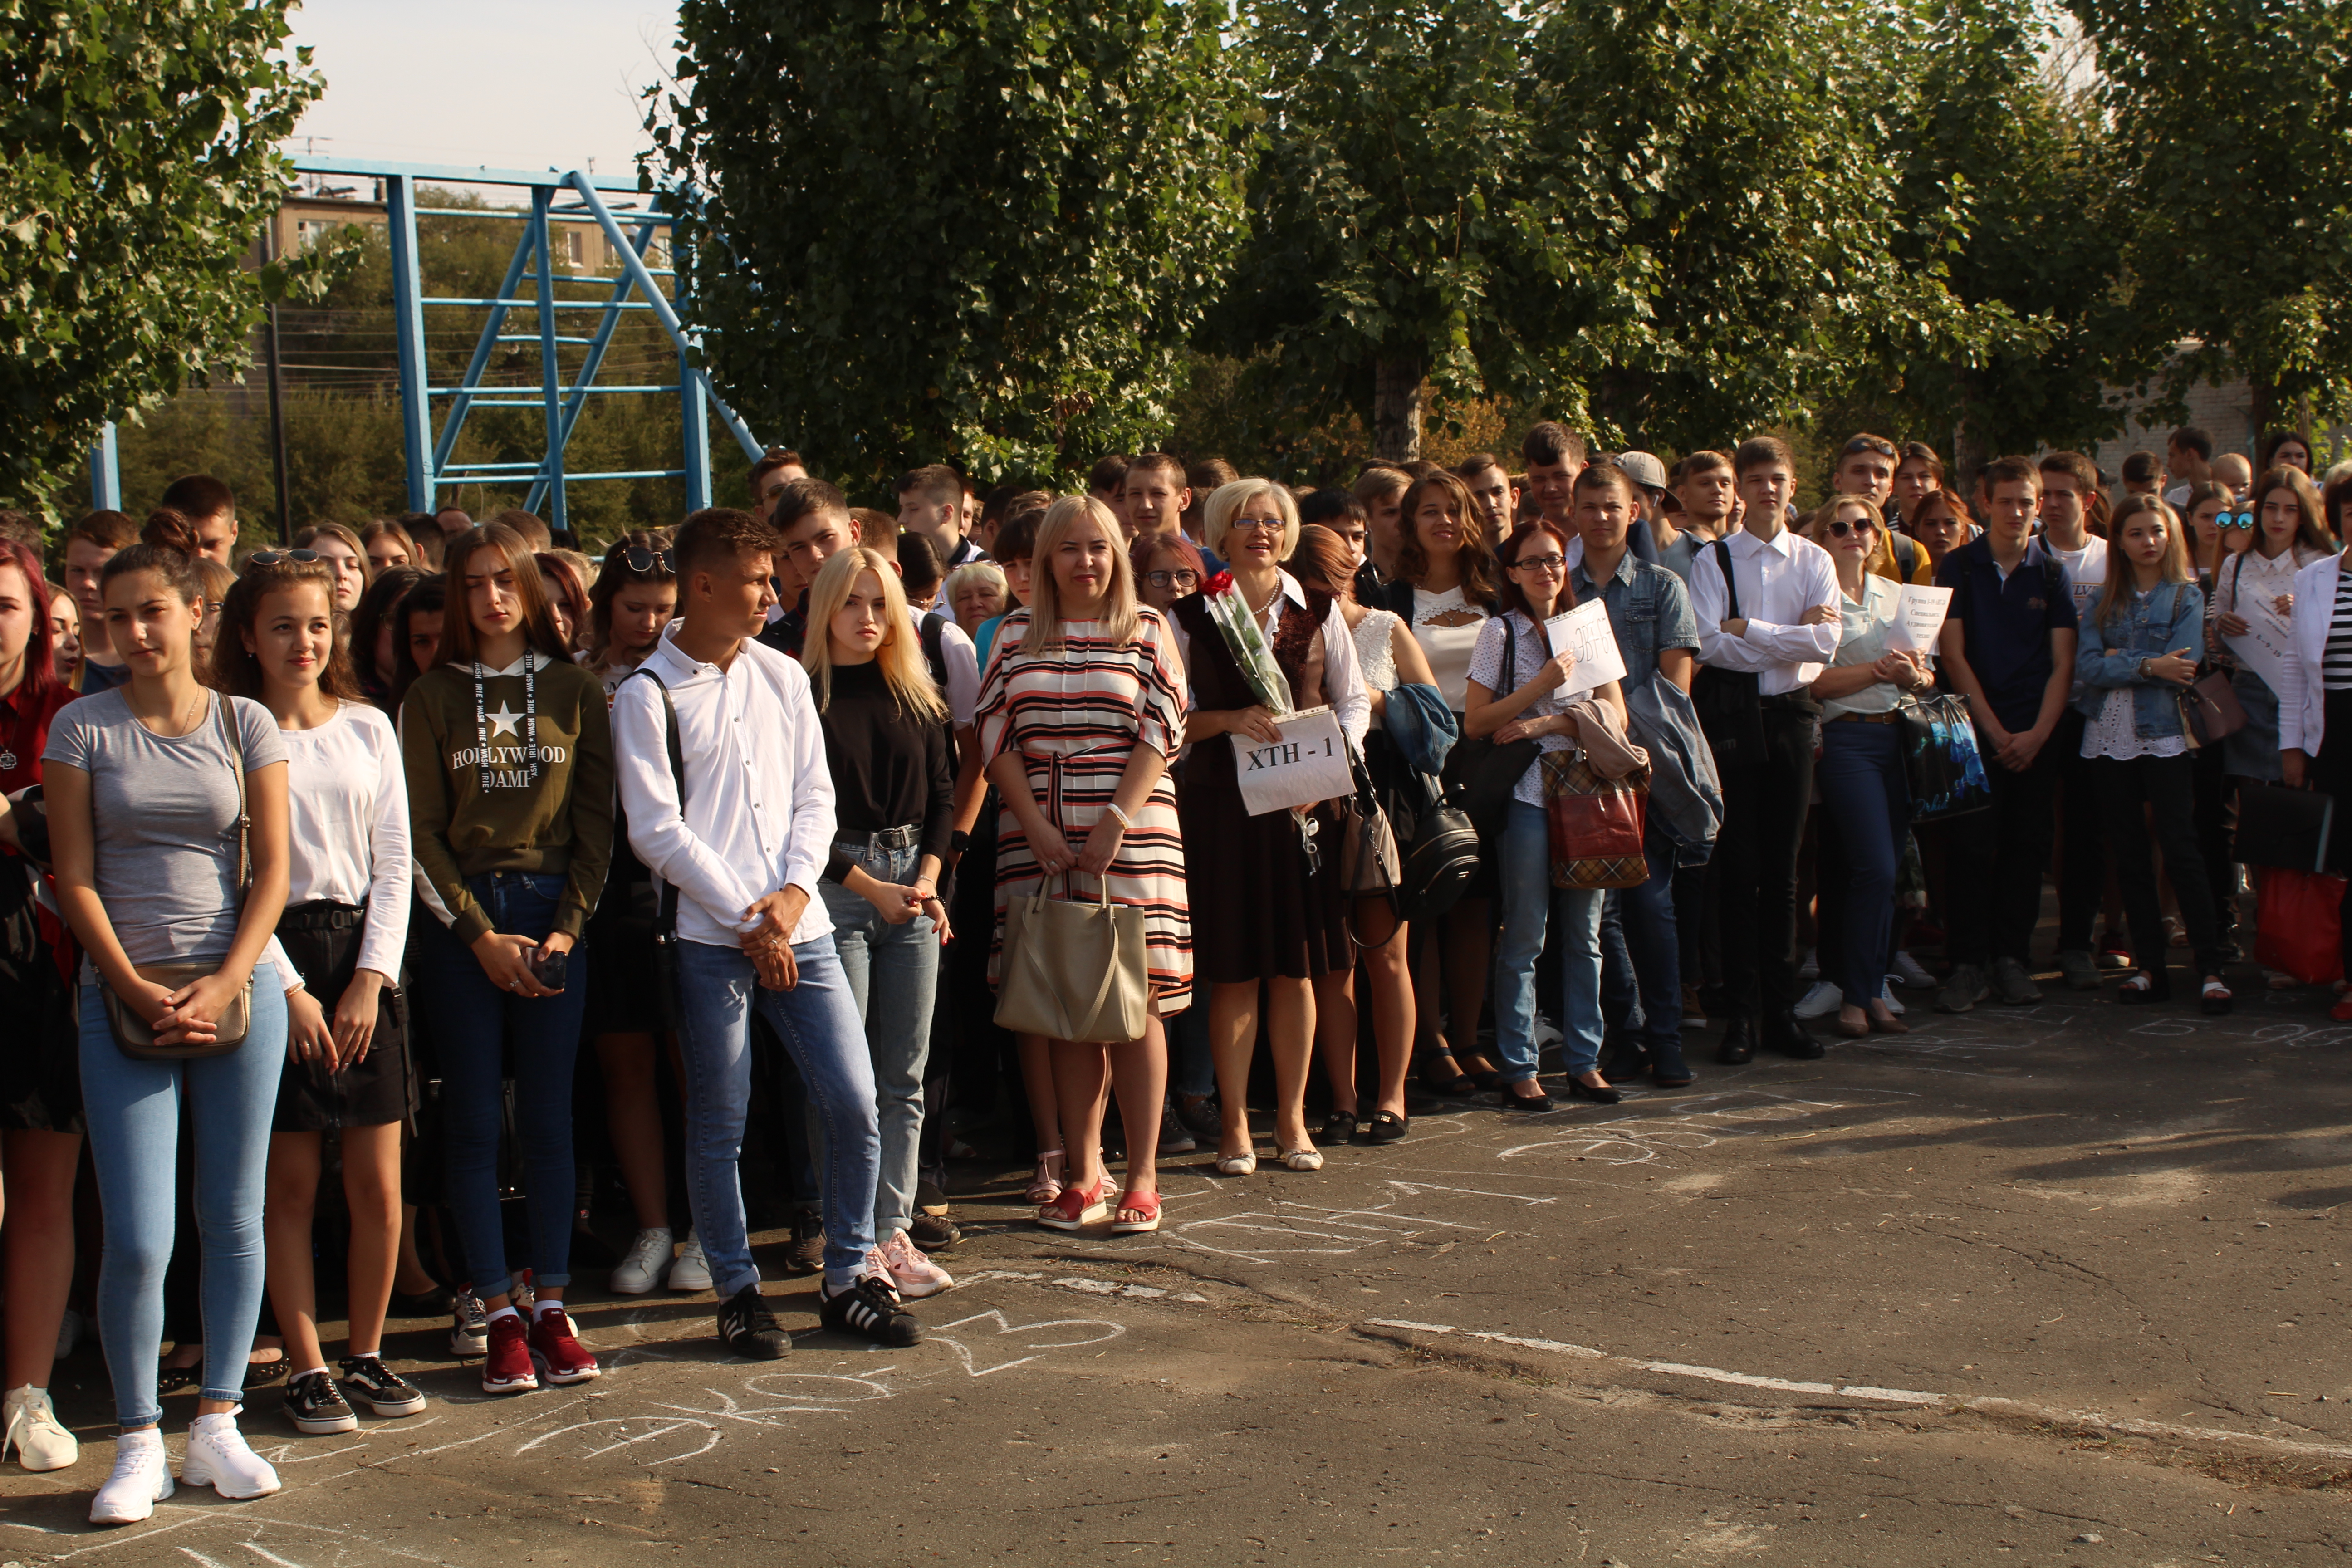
1075	715
2335	663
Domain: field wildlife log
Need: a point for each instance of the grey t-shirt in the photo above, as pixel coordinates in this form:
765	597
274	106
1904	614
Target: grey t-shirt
164	809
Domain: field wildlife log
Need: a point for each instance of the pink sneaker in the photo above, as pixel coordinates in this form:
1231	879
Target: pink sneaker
914	1274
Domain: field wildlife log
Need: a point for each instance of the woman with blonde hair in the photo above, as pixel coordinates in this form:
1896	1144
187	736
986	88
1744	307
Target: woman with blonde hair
1081	710
346	556
885	744
1276	913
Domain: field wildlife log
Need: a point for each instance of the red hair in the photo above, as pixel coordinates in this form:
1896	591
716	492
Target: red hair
1508	553
40	676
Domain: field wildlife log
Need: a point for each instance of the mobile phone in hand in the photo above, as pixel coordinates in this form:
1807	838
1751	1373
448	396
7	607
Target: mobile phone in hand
550	968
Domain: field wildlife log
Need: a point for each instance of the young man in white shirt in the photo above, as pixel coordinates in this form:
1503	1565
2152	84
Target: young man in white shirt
932	503
2069	480
741	848
1763	639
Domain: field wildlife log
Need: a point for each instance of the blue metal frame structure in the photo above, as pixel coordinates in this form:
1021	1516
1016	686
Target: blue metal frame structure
430	451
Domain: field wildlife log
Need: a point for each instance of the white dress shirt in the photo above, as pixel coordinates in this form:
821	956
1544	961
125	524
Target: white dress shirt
1778	582
757	814
956	651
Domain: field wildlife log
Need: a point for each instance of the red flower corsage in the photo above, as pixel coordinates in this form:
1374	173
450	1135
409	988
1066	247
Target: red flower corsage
1218	583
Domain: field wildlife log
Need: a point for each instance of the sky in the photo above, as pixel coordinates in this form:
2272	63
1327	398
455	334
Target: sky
516	84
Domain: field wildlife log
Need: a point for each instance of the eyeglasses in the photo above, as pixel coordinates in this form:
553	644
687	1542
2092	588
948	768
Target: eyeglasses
1544	563
1181	579
636	558
1255	525
1840	529
2234	520
274	557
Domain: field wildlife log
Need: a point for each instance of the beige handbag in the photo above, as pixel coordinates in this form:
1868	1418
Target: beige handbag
1074	970
132	1035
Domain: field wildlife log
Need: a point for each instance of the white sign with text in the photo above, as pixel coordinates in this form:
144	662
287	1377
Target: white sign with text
1918	617
1308	764
1584	632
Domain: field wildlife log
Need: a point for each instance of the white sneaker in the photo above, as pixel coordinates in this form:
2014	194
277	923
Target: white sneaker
1811	968
32	1427
1545	1033
692	1270
1886	995
1822	1001
648	1261
1909	972
914	1274
141	1478
217	1457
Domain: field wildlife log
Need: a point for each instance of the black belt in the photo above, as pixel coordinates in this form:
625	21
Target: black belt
1892	716
905	836
321	914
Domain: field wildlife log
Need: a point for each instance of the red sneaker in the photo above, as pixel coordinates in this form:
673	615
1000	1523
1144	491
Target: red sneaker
506	1364
564	1359
2342	1011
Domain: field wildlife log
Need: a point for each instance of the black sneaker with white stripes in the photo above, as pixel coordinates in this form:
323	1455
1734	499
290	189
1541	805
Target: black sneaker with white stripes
368	1382
871	1310
750	1329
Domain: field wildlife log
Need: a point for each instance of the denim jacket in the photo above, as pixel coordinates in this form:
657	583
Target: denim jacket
1649	609
2171	617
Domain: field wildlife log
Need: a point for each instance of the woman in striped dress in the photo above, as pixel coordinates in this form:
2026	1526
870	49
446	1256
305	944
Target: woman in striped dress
1082	709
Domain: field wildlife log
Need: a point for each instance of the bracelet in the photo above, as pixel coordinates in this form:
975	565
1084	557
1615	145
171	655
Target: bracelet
1126	823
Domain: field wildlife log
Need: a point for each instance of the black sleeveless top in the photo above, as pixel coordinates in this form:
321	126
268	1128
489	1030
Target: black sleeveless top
1218	684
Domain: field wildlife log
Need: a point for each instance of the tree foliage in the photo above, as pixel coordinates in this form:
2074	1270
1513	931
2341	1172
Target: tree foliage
136	172
953	227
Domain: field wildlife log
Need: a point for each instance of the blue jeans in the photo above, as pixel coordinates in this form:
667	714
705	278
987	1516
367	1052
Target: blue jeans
894	979
1865	814
476	1026
1529	903
1638	931
132	1108
817	1021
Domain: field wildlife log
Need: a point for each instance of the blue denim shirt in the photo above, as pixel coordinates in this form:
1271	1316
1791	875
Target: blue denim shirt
2172	616
1649	609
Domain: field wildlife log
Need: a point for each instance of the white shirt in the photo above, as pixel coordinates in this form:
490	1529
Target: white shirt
956	651
346	798
1776	583
757	814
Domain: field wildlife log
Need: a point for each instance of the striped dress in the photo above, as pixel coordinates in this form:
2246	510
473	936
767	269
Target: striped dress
1075	713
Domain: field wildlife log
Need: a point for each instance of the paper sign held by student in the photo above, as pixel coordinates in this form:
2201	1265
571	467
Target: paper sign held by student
2262	648
1918	617
1308	764
1584	632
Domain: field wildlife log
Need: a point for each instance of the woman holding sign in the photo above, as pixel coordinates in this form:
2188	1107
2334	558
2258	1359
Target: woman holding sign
1519	687
1081	710
1865	797
1260	648
2254	595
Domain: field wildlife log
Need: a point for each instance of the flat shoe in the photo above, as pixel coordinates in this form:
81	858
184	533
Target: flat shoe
1242	1164
1338	1128
1383	1127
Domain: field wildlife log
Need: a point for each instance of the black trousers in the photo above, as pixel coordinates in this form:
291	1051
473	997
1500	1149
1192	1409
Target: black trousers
2082	866
1997	860
1765	799
2168	786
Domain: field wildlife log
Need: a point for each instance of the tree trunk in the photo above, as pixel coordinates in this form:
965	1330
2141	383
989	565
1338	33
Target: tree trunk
1396	408
1970	453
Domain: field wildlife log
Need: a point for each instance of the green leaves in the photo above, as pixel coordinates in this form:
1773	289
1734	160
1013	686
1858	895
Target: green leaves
135	169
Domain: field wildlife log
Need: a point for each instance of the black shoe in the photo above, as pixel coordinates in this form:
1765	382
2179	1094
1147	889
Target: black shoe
1606	1094
1788	1035
1667	1068
1339	1126
1384	1128
870	1310
1455	1085
316	1406
262	1374
1514	1100
1200	1117
421	1304
367	1381
933	1233
807	1254
1738	1047
749	1328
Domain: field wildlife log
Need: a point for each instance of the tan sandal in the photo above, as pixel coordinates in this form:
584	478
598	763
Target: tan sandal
1047	1184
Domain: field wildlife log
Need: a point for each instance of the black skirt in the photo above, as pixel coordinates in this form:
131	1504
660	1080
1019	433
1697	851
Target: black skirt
624	984
1257	910
323	941
40	1061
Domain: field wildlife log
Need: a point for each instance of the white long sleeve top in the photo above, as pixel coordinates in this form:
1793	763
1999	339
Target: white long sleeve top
347	797
757	812
1778	582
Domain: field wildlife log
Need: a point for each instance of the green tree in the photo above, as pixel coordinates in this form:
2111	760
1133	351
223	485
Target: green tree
931	229
136	172
2230	124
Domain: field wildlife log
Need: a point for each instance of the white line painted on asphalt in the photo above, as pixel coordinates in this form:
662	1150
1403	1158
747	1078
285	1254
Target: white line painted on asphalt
1982	1404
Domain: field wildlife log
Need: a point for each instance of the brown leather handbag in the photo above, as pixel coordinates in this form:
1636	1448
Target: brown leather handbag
1595	824
2211	710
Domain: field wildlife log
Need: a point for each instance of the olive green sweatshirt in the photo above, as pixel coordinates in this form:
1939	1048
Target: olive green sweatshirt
553	818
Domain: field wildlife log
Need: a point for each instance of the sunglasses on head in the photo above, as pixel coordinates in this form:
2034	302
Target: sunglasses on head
637	558
1869	444
273	557
2234	520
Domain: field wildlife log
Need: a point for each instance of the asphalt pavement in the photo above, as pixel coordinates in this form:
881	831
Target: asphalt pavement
2055	1284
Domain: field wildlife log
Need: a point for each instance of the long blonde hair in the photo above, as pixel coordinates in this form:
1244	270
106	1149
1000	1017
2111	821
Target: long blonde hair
2123	578
1118	618
900	655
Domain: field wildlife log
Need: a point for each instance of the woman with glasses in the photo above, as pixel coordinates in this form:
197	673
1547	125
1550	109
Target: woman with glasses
1512	699
1273	911
635	598
1167	568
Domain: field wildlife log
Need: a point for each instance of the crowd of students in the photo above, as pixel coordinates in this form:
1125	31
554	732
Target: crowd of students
383	834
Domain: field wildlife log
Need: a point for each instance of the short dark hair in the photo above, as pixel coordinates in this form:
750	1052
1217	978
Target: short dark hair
1150	462
1920	452
1477	463
936	481
530	525
1109	473
1864	441
876	529
772	460
1016	536
2277	438
1551	442
2009	471
2142	468
1704	461
1329	505
1762	451
717	531
197	495
1208	474
919	567
2085	472
18	527
107	529
1601	473
797	499
2193	438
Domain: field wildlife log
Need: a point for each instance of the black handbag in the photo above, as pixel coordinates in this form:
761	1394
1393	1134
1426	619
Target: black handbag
1729	702
1942	764
1480	773
1440	862
665	976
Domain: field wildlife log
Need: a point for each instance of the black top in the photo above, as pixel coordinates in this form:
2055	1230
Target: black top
891	767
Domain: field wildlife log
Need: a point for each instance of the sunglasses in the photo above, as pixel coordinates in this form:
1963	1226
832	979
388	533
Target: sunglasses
636	558
1840	529
2234	520
1868	444
275	557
